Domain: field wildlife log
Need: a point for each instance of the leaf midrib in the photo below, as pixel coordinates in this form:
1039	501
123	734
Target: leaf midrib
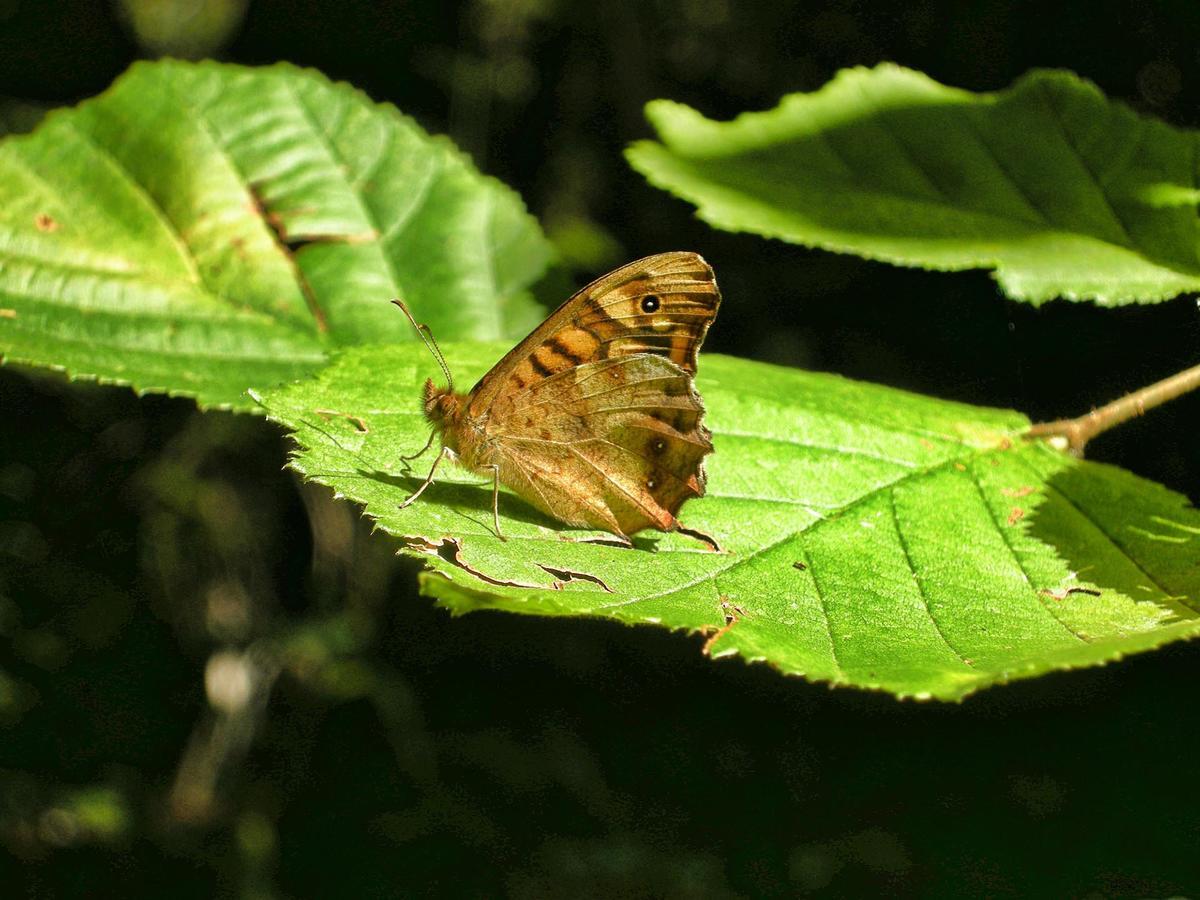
835	513
153	206
340	166
206	353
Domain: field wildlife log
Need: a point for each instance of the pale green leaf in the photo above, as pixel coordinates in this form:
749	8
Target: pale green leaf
201	229
871	537
1061	191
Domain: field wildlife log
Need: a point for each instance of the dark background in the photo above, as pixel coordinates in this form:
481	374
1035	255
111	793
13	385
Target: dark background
387	750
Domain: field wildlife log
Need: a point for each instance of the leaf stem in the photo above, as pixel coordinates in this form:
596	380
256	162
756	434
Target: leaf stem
1073	434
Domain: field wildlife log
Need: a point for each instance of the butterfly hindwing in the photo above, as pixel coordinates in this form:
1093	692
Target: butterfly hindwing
625	433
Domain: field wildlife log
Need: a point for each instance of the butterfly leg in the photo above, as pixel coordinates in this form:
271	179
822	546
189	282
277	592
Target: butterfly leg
428	480
496	500
421	452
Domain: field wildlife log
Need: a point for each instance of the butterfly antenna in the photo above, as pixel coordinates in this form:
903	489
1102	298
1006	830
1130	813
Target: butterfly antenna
427	337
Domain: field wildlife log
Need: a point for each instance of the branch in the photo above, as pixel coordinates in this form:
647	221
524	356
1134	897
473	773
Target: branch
1073	434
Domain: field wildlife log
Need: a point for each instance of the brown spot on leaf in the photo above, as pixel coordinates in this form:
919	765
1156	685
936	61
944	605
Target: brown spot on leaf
359	422
1061	594
45	222
289	246
1015	515
1018	492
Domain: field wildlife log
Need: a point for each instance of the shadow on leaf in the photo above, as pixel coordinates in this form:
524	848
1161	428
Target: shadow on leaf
1125	534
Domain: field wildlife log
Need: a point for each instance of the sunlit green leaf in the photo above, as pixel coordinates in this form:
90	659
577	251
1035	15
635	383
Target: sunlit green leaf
1061	191
870	537
201	229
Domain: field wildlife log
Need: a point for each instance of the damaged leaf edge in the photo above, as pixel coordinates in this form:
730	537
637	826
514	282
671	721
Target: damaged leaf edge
460	599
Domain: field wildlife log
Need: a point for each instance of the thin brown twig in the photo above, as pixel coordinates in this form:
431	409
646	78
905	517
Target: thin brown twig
733	615
1073	434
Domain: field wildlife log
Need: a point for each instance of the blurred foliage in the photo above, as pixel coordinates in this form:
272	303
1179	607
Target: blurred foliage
199	229
219	681
186	29
17	117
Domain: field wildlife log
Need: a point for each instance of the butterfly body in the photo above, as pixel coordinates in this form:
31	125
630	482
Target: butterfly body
594	418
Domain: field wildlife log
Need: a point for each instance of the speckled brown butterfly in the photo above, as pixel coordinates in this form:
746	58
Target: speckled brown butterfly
593	418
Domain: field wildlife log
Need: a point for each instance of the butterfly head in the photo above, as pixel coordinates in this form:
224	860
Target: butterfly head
441	404
442	407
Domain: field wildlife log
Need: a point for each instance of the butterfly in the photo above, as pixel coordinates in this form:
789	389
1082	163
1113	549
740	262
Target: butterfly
593	418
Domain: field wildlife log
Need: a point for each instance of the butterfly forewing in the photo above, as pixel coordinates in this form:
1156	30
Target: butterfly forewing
664	308
661	305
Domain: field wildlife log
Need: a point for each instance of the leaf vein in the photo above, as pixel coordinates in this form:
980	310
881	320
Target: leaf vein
805	445
338	165
1048	99
833	654
1118	545
908	561
140	191
1028	199
1037	597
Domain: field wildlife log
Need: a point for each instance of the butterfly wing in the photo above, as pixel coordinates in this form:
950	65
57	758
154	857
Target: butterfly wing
616	444
662	305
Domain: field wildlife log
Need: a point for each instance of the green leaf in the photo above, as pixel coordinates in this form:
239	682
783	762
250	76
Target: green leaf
1059	190
201	229
872	537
